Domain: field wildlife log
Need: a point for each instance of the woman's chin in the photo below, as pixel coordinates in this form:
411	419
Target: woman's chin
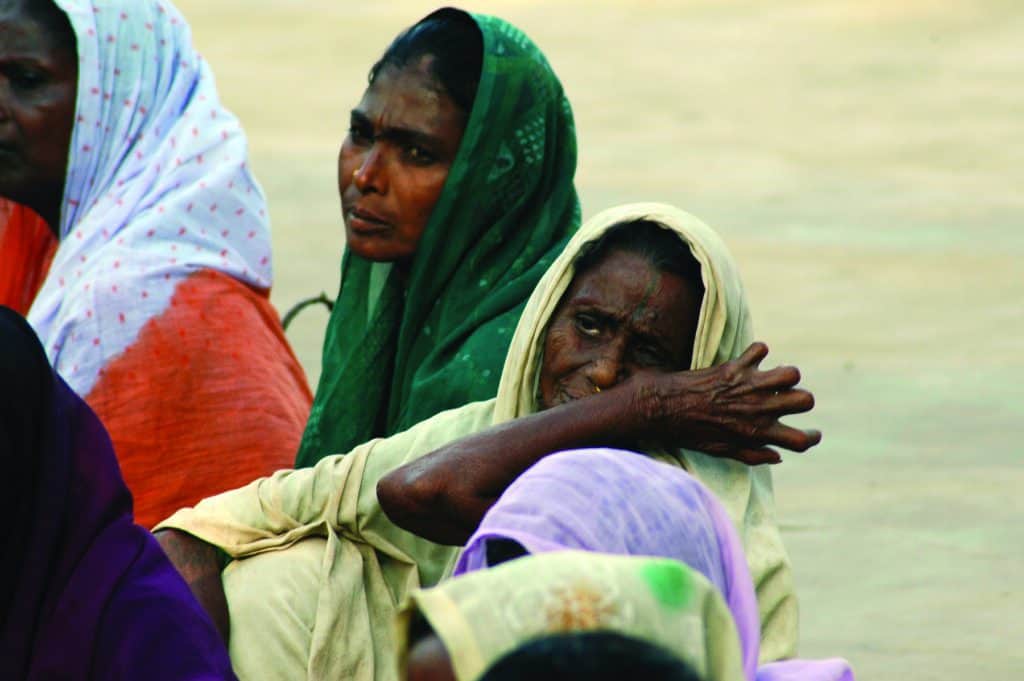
372	247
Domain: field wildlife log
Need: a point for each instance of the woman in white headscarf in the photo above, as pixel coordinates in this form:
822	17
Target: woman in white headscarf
155	305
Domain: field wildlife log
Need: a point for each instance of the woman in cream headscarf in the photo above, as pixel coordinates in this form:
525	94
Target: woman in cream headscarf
325	605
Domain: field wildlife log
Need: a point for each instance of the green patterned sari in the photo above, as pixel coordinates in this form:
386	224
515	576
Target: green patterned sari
399	353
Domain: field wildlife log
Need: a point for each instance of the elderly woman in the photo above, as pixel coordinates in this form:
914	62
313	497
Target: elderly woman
610	349
456	183
155	306
85	593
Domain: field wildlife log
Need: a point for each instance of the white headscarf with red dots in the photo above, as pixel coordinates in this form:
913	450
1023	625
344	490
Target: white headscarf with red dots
157	187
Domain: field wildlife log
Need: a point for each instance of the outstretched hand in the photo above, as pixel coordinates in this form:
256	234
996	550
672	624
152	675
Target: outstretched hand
731	410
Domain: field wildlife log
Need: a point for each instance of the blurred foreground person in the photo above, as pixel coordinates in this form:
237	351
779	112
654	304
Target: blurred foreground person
150	291
456	185
619	502
463	627
638	333
588	656
85	593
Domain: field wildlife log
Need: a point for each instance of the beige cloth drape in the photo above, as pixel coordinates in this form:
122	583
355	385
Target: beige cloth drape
340	624
481	616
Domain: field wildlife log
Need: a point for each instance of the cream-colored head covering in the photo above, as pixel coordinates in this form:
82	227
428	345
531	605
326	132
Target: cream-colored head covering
723	331
483	615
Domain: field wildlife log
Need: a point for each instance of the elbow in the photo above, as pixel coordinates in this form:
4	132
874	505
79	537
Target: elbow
406	495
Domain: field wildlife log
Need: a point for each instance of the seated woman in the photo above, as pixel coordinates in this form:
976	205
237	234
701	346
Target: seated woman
461	628
85	593
155	306
456	183
617	502
610	349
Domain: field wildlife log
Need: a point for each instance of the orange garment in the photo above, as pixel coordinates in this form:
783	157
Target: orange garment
209	398
26	249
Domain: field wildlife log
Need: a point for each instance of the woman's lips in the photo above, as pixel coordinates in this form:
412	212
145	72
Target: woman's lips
366	222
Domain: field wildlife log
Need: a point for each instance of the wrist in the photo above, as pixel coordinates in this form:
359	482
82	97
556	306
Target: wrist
635	408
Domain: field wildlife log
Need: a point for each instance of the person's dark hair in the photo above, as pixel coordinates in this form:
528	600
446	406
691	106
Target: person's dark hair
589	656
454	40
419	629
658	245
501	550
54	22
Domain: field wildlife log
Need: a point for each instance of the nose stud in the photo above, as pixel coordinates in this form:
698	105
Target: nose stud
597	389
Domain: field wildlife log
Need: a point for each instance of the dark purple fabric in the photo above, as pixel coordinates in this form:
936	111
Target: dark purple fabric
87	594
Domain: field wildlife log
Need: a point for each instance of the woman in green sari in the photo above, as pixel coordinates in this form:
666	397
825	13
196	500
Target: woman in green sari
456	183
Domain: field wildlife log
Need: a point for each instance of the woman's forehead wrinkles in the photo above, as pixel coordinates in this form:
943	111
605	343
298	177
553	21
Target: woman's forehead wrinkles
411	109
644	311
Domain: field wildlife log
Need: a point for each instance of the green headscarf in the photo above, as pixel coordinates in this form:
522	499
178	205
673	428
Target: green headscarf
396	354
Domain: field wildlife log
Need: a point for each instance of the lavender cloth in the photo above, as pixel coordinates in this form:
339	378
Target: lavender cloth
84	592
832	669
619	502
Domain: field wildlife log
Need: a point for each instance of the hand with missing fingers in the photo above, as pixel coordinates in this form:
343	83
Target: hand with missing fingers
731	410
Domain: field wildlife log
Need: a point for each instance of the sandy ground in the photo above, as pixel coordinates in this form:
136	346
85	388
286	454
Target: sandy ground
864	159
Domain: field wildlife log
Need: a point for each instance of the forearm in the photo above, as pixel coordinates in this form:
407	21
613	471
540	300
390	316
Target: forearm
730	410
443	495
200	565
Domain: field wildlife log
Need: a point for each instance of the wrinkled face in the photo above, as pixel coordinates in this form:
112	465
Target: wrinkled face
38	82
429	661
402	140
617	318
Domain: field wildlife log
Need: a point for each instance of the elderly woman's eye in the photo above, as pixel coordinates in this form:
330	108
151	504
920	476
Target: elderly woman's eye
588	325
651	356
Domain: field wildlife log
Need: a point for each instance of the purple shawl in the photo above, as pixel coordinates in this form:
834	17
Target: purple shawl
621	502
85	593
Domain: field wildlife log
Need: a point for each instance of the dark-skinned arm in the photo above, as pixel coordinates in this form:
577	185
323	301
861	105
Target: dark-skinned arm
200	564
731	410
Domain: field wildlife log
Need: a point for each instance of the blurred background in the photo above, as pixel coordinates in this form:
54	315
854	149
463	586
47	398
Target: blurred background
864	159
